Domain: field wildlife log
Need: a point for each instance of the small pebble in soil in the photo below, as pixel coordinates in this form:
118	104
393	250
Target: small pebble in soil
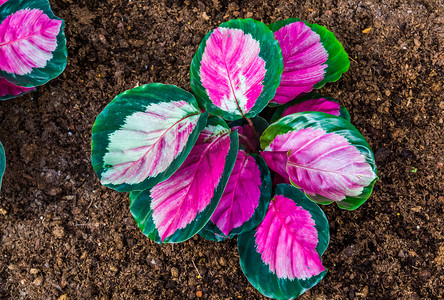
55	191
58	232
33	271
156	263
222	262
199	294
364	292
425	274
174	272
349	250
38	281
113	269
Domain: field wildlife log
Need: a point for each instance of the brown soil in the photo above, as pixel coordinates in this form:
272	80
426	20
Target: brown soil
64	234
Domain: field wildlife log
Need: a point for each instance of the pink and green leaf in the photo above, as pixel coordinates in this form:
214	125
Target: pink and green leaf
9	90
244	201
248	136
312	57
32	43
282	256
143	136
236	69
311	102
322	154
2	163
176	209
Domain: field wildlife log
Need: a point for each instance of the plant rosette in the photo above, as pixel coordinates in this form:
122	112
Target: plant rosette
190	172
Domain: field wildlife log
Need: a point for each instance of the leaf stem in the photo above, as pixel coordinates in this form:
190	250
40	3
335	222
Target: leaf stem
250	123
255	133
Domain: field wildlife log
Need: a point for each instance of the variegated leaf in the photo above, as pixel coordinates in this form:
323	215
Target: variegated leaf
176	209
282	256
236	69
244	201
144	135
32	43
312	56
322	154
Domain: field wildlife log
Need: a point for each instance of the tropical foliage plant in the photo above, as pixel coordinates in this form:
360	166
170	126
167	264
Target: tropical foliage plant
190	172
32	48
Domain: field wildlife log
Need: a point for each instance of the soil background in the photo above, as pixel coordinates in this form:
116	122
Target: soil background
64	236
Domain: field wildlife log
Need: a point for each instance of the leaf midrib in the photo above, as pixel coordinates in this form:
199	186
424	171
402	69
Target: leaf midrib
189	185
294	239
34	33
326	171
231	87
230	208
160	138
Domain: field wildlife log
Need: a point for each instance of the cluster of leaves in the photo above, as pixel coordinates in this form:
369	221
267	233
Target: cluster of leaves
189	172
32	49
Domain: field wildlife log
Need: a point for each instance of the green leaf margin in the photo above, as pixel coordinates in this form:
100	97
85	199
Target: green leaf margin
331	124
343	113
140	201
2	163
259	274
8	96
270	52
337	62
113	116
56	64
213	233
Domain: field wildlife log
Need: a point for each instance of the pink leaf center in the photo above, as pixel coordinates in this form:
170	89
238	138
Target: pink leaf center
27	39
304	61
327	164
287	239
241	196
232	70
177	200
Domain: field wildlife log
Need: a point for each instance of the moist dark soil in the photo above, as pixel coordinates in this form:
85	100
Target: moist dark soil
64	236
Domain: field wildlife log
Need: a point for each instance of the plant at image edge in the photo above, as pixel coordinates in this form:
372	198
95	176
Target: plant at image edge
32	49
189	172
